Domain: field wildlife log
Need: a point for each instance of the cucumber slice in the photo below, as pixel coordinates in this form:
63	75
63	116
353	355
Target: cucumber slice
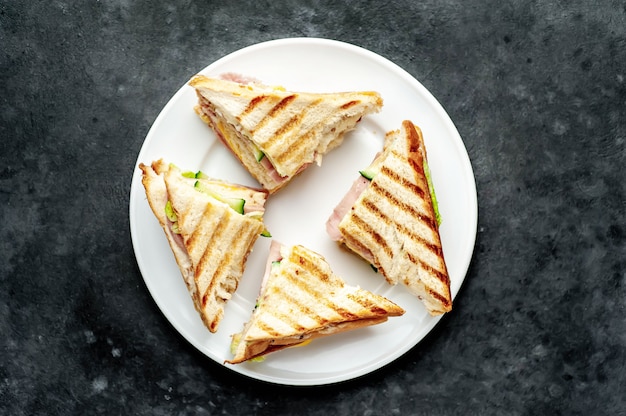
236	204
258	154
200	187
431	189
172	217
368	174
169	212
195	175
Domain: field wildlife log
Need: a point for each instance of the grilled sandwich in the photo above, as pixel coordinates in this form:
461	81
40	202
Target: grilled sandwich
275	133
390	218
302	299
211	226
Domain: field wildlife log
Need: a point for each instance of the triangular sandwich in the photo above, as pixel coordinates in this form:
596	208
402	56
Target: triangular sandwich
302	299
390	218
211	226
275	133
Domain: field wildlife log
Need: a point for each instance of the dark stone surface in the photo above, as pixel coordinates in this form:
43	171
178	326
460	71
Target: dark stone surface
538	93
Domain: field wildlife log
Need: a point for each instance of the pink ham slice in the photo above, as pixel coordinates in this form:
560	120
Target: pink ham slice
340	211
274	255
241	79
271	170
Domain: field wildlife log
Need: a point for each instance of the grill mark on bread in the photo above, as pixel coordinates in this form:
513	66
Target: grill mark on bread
443	299
349	104
280	106
308	265
254	103
293	123
367	304
366	228
382	243
428	219
412	187
402	228
205	259
223	273
195	235
440	275
265	327
418	169
292	319
296	148
293	148
414	139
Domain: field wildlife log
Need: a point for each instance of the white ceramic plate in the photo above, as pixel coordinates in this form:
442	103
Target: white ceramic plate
298	213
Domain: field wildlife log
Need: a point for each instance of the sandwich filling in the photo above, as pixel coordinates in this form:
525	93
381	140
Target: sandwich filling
243	200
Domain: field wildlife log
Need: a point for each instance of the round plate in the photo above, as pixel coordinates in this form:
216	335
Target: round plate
297	214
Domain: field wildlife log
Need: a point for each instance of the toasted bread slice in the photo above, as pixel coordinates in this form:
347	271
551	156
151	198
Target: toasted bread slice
275	133
302	299
390	220
210	239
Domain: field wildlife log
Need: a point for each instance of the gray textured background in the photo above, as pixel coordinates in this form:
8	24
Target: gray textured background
537	90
